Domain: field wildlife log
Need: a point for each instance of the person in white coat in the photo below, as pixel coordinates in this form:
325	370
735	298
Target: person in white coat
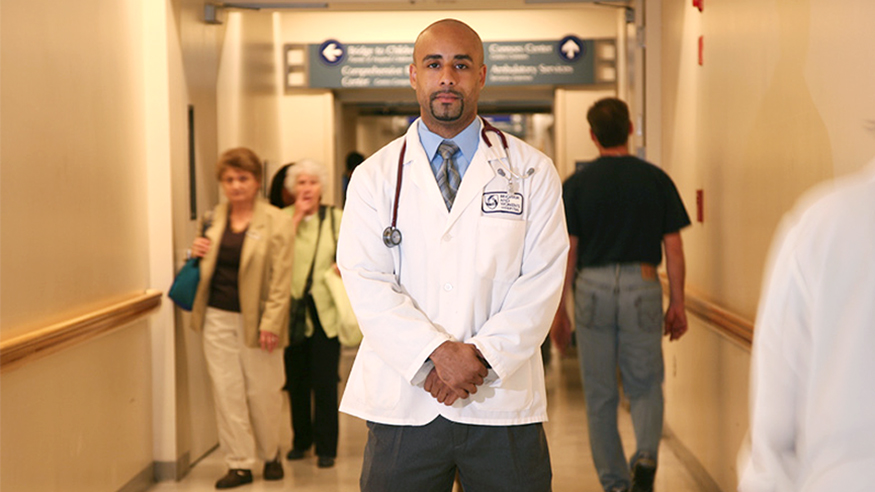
812	428
455	303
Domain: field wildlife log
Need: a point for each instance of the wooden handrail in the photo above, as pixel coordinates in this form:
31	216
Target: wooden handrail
730	324
44	341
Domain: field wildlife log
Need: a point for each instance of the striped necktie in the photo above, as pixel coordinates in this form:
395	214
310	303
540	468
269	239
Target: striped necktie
448	176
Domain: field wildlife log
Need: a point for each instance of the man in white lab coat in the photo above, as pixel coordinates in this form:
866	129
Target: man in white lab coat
812	402
449	375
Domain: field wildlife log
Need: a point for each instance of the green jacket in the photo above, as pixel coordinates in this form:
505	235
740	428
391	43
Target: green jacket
305	243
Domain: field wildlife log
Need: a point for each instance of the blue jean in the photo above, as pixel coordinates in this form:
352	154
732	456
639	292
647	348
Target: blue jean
619	321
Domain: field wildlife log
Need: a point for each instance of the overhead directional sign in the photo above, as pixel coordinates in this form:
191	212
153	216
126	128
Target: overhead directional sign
567	61
571	48
540	62
332	52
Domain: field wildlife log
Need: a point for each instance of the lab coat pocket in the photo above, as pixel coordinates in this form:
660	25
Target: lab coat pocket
382	387
499	251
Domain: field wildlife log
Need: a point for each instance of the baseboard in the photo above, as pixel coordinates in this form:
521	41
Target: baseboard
159	471
183	465
165	471
142	481
694	466
209	451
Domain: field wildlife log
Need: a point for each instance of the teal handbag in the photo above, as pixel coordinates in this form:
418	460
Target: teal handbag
184	286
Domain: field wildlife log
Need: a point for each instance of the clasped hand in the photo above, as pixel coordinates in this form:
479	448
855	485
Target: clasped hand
458	371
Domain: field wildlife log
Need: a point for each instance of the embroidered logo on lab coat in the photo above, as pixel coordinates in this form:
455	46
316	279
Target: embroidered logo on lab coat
502	202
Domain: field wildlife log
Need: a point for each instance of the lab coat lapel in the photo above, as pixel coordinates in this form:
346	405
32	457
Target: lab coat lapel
418	168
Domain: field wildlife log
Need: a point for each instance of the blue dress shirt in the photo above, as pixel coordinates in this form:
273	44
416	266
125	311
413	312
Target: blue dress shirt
467	140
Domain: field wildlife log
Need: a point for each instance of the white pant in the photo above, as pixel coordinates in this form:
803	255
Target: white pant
247	385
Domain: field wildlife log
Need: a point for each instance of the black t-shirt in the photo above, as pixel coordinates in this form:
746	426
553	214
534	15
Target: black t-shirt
619	208
224	293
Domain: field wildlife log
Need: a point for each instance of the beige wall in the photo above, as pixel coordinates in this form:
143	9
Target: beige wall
308	130
73	196
95	208
249	93
80	419
75	236
194	50
247	86
781	102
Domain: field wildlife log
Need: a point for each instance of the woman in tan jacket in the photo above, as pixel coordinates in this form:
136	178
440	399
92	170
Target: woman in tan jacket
242	306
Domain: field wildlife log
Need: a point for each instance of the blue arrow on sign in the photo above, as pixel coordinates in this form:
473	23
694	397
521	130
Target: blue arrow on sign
571	48
332	52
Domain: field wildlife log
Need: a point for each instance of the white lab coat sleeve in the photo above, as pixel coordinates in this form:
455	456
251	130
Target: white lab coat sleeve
777	369
392	324
511	336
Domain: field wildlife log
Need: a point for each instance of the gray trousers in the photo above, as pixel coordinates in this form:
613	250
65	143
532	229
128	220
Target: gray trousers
426	458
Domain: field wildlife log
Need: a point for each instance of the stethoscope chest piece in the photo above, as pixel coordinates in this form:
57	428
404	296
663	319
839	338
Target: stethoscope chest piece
391	236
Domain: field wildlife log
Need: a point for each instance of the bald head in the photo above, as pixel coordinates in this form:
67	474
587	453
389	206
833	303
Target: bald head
451	29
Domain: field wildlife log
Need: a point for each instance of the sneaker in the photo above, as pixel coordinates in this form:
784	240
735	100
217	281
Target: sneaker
234	478
273	470
643	473
296	454
325	462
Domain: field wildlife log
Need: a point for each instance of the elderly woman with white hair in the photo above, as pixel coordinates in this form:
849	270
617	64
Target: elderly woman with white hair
312	365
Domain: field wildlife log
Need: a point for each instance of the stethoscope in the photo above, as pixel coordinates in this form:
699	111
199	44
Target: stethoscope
391	234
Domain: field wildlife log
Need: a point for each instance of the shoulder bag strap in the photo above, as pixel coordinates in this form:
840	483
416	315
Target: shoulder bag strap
309	282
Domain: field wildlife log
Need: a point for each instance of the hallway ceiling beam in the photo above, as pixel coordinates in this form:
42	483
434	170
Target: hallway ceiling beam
370	5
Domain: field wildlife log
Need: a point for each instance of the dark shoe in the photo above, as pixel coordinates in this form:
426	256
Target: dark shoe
296	454
643	473
273	470
234	478
325	462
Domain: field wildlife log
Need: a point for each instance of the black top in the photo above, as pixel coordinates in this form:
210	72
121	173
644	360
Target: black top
620	208
224	293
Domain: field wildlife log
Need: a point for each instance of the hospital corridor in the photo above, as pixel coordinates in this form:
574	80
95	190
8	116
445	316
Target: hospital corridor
408	198
566	436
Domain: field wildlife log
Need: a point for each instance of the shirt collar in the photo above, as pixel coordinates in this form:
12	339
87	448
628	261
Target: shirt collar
467	140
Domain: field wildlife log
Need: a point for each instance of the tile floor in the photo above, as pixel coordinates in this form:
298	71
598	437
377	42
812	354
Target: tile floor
566	435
